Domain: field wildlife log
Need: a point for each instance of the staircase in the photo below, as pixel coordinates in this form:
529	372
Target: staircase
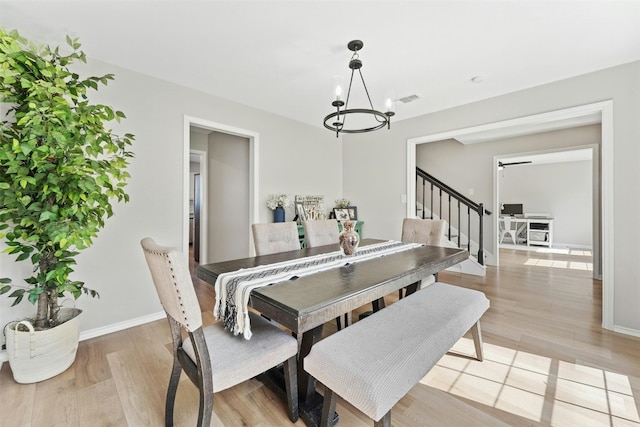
464	217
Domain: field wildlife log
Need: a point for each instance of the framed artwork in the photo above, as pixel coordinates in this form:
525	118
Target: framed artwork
302	216
341	214
353	212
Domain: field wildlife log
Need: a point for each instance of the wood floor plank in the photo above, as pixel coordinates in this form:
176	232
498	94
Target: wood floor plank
141	399
16	400
55	402
99	405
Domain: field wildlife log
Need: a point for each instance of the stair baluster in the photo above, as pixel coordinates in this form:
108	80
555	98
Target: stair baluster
422	178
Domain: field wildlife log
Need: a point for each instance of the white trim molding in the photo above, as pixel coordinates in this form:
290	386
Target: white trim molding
116	327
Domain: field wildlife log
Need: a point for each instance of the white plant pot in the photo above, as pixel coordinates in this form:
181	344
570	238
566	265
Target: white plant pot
39	355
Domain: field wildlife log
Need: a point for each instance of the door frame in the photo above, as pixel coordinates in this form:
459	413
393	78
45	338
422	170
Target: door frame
254	143
605	110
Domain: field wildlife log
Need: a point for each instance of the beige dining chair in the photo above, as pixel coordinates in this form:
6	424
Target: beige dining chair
271	238
213	358
427	231
321	232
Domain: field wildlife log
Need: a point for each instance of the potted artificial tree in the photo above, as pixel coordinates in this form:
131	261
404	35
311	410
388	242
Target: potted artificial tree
60	169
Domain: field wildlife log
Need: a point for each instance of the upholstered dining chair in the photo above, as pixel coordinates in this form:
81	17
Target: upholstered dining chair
321	232
427	231
213	358
271	238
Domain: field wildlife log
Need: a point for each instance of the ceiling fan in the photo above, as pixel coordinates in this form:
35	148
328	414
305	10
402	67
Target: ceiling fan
502	165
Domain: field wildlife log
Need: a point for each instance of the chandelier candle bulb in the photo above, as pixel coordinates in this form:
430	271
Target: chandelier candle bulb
338	89
390	105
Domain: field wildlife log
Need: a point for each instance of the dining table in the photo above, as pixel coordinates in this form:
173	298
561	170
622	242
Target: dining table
304	304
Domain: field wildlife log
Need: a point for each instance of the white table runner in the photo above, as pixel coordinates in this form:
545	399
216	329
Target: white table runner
234	288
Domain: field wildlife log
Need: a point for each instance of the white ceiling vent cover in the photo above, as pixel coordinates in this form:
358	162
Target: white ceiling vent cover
409	98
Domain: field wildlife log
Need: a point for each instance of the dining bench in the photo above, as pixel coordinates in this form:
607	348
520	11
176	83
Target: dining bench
376	361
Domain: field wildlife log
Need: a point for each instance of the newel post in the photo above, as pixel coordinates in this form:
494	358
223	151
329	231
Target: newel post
481	234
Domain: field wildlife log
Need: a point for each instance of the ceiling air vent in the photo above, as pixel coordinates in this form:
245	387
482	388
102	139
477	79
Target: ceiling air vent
408	99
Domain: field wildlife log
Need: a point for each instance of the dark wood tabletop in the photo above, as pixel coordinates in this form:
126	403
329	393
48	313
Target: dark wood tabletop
306	302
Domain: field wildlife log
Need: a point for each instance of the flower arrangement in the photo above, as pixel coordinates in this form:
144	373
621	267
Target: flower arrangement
342	203
279	200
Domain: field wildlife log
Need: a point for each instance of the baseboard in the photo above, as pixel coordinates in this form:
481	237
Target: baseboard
115	327
627	331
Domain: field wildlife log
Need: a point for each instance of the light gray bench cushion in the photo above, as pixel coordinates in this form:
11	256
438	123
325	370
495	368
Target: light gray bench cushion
375	362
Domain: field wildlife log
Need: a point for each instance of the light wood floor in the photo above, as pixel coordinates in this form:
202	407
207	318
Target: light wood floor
547	363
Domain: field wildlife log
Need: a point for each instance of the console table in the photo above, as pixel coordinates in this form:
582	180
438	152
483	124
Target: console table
357	228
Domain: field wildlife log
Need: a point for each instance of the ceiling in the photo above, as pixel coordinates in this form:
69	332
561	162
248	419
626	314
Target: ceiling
280	56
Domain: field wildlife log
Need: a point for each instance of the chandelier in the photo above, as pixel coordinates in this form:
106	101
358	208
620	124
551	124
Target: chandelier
337	121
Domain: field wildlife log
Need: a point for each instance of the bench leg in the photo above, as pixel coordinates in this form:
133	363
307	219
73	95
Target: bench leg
328	407
477	340
385	421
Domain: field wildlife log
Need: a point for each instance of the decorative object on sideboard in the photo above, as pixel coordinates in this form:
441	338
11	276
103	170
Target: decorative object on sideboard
301	216
341	214
277	202
313	207
342	203
353	212
349	239
376	119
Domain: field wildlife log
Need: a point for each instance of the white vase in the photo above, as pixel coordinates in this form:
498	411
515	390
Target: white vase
39	355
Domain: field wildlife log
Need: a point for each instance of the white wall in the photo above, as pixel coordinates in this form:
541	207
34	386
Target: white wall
228	197
562	190
375	164
294	158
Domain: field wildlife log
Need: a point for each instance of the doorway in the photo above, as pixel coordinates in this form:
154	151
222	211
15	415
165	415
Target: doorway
220	181
561	185
550	200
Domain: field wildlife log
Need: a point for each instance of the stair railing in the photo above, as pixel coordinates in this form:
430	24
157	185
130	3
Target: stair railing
432	187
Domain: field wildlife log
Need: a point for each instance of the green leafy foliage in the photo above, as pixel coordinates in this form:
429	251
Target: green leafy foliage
60	167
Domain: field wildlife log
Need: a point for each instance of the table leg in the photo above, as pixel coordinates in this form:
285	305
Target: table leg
310	401
306	383
412	288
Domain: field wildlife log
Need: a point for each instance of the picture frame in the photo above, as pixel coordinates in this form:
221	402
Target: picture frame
353	212
302	215
341	214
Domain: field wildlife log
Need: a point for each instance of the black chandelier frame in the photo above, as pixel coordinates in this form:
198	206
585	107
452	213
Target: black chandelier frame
337	126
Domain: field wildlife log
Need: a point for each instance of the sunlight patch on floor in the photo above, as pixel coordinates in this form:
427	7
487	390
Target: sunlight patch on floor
516	382
550	263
